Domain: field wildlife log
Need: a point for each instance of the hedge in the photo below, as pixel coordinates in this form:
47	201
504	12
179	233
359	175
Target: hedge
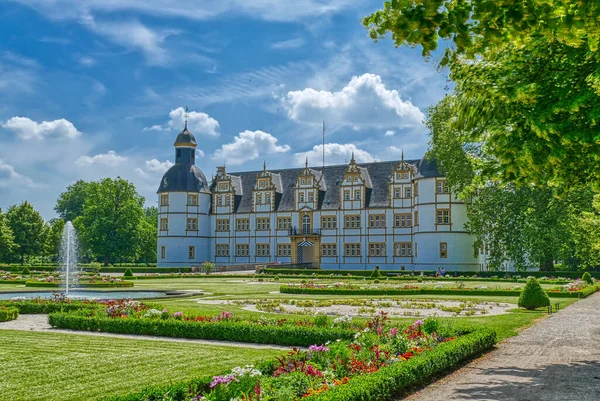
8	313
36	308
79	284
17	281
288	335
428	291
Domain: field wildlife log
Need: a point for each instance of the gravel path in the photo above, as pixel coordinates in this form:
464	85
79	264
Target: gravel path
558	359
40	323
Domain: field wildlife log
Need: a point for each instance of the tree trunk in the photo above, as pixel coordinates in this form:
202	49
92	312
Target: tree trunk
106	260
547	265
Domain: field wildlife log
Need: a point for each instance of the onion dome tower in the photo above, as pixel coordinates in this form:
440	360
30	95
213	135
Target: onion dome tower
183	211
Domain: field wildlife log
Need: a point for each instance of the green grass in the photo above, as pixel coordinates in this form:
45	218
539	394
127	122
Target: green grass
66	367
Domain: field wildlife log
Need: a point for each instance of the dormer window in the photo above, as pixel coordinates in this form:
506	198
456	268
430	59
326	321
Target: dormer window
311	197
268	199
259	199
357	195
303	181
301	197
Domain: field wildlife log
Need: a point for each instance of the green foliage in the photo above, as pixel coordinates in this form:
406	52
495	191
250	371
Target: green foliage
70	203
96	267
533	296
27	226
7	238
8	313
376	273
228	331
208	267
587	236
26	271
128	273
114	284
44	306
587	278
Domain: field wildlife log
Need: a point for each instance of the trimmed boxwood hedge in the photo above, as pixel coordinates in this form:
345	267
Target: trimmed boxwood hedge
378	386
80	284
35	308
8	313
428	291
288	335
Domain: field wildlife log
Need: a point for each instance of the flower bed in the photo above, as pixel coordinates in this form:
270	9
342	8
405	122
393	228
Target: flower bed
414	290
8	313
379	361
81	284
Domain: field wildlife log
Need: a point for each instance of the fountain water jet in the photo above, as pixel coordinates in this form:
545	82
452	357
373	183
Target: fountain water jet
69	249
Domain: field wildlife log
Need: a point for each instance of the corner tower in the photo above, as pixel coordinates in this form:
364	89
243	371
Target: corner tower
183	209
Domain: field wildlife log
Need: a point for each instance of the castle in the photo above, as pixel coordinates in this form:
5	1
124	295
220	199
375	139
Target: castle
398	215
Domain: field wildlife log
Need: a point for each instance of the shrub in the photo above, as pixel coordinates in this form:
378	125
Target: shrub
587	277
533	296
8	313
26	271
376	273
96	266
128	273
208	267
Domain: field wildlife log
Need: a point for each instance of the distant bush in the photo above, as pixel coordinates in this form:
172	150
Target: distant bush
533	295
26	271
96	266
587	277
128	273
208	267
376	273
8	313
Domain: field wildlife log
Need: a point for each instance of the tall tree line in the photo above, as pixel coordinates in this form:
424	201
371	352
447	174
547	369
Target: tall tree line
110	218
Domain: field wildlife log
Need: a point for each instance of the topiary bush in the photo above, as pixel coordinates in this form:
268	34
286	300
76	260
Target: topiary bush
533	295
587	277
128	273
8	313
26	271
376	273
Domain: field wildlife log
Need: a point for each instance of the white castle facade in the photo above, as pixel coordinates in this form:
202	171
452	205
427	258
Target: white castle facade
398	215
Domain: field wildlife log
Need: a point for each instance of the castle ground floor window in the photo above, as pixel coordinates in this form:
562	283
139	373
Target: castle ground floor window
222	250
376	249
403	249
329	250
284	250
163	252
242	250
191	252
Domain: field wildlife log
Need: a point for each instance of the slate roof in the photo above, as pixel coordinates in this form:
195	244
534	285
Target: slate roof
183	177
185	136
375	174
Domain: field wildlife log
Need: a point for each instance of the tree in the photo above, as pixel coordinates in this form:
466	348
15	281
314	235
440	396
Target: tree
55	236
587	237
69	204
27	226
527	78
533	295
7	239
110	222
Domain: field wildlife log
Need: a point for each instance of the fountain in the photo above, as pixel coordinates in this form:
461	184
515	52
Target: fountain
69	248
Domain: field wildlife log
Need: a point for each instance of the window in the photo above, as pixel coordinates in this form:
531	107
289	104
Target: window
407	193
284	250
311	197
403	248
191	252
226	200
259	199
222	224
268	199
223	187
402	220
164	199
303	181
222	250
191	225
192	200
352	221
346	195
397	192
377	249
377	221
263	250
443	249
163	252
284	223
178	153
443	216
406	175
416	217
416	188
242	224
442	187
301	197
164	224
263	224
262	184
242	250
357	195
219	200
328	222
352	250
306	224
329	250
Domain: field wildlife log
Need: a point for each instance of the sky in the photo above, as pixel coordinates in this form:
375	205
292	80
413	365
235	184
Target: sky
97	88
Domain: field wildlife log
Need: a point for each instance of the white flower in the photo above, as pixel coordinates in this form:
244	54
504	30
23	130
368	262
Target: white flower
153	312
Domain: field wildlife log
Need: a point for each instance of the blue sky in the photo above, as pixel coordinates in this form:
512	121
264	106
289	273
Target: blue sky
96	88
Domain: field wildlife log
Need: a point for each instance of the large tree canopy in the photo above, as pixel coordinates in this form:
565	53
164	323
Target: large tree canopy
527	78
7	239
27	226
69	204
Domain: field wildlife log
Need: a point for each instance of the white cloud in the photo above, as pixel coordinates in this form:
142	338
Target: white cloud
390	132
86	61
157	166
288	44
335	153
200	153
249	145
364	102
198	123
9	178
26	128
110	159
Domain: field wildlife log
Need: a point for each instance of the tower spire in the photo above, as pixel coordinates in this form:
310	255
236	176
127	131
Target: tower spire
265	165
402	156
306	162
186	116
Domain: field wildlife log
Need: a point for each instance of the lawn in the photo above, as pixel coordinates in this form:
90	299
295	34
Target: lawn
61	367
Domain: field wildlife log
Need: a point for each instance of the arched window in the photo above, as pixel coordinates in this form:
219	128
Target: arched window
306	224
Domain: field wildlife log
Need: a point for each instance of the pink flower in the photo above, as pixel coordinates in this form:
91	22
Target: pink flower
393	331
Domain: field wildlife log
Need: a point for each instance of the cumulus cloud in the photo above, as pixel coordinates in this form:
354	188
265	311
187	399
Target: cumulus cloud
364	103
110	159
9	177
198	123
390	132
153	168
26	128
200	153
249	145
335	153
